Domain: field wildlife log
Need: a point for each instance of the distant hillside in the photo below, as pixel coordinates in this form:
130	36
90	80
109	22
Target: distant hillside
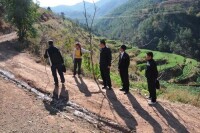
168	26
76	11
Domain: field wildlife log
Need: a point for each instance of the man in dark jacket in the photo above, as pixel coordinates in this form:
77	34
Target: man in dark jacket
105	64
151	75
124	62
56	62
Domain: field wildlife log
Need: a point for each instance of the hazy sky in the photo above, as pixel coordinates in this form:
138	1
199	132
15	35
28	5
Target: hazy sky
45	3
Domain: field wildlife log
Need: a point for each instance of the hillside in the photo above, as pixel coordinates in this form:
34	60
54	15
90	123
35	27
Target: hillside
65	33
83	106
168	26
86	107
172	68
76	11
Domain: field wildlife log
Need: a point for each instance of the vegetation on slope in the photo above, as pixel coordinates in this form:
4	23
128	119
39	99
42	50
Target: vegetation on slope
153	24
173	68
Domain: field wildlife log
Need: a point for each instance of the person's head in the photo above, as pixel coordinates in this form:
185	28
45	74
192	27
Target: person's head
78	45
50	42
122	48
102	44
149	56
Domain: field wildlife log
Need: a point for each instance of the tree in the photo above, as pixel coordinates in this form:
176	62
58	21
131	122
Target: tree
49	9
22	14
63	15
89	28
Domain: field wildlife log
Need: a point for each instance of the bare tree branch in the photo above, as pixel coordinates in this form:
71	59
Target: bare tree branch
89	28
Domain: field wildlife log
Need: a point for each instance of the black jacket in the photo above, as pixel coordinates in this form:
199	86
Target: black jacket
151	70
55	55
124	62
105	57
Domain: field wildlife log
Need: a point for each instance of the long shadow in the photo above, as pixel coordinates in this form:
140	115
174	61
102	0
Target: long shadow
144	114
59	101
128	118
171	120
4	47
83	87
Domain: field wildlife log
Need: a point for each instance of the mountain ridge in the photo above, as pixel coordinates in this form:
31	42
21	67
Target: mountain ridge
76	11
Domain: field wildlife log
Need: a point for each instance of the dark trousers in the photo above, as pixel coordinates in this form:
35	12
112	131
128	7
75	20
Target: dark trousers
77	63
54	69
105	74
152	89
125	79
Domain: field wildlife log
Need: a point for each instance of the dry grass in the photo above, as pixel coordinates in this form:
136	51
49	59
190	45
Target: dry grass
183	96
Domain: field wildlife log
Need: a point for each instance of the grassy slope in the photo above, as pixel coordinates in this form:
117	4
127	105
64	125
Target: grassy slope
172	60
170	91
65	34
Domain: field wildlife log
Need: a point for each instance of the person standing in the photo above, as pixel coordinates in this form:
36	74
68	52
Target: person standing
77	58
105	64
123	65
151	75
56	62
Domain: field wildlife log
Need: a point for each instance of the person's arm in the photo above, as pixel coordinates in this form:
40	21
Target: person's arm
154	71
73	54
62	61
85	51
46	54
128	61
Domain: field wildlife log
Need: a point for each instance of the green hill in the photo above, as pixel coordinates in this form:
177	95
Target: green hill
167	26
173	68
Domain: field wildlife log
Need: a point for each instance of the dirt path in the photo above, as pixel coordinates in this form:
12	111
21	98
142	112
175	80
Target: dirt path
8	37
130	110
22	112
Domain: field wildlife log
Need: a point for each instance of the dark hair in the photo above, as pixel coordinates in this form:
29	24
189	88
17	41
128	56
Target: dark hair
50	42
123	47
150	54
103	42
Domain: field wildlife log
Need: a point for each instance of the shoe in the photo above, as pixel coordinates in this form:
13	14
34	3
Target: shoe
126	92
148	98
104	87
151	103
122	89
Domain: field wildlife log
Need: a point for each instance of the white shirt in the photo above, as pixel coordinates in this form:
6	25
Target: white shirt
122	53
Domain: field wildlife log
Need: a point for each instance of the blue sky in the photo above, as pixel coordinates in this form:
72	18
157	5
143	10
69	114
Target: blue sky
45	3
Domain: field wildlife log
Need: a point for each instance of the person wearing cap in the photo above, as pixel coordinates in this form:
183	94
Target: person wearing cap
105	64
77	57
151	74
123	65
56	61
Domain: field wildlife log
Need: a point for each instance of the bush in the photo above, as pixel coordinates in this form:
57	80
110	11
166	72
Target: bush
68	62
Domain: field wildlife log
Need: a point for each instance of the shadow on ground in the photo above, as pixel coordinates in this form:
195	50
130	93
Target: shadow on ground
59	101
9	49
121	110
82	86
172	121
